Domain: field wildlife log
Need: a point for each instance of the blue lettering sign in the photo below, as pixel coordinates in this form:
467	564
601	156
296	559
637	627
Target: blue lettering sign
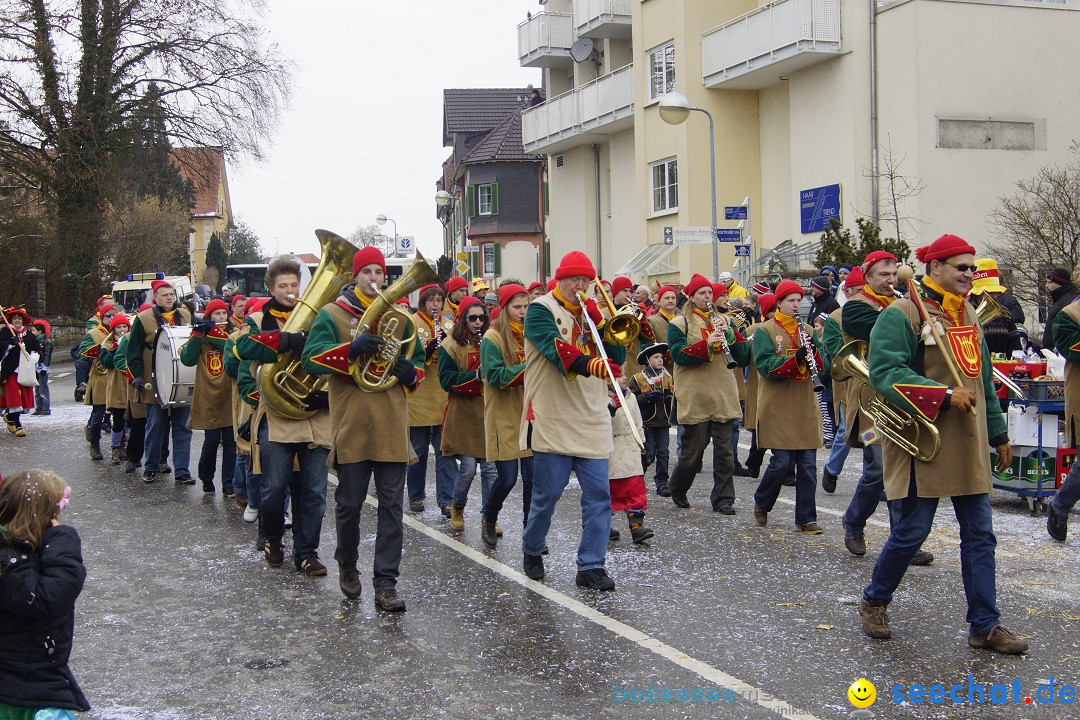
817	206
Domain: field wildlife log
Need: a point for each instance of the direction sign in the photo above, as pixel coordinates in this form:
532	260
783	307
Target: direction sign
462	267
734	212
817	206
742	251
687	235
728	234
472	248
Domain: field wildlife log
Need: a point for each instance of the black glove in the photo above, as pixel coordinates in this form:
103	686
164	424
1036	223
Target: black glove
138	383
292	342
431	347
654	395
244	431
800	354
318	400
365	344
204	327
404	371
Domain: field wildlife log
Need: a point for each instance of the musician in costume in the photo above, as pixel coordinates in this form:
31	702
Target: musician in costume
15	399
280	441
767	306
97	377
502	360
116	386
622	289
211	405
140	361
237	303
457	287
654	388
834	339
721	297
948	384
427	405
708	394
788	416
135	417
370	429
536	289
564	422
245	400
666	300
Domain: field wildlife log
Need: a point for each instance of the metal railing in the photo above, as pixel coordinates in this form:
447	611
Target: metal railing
580	109
545	31
589	11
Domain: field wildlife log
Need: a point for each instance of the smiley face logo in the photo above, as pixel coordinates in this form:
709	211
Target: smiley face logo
862	693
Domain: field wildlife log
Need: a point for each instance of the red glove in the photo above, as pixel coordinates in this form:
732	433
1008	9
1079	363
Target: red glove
594	312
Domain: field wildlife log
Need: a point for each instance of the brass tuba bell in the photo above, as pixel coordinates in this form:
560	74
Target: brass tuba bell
989	309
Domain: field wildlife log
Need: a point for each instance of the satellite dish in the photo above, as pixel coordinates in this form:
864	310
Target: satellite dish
581	50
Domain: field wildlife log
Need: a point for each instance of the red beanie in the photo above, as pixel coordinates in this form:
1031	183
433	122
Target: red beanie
665	289
766	302
237	298
213	305
508	291
788	287
718	289
620	283
856	277
945	246
876	256
466	302
106	308
456	283
551	284
101	300
118	320
365	256
249	305
159	284
427	287
260	303
534	285
575	264
696	283
145	306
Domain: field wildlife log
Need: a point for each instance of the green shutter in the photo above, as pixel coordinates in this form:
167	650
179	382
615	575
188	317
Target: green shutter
547	199
470	200
495	198
547	260
497	264
476	263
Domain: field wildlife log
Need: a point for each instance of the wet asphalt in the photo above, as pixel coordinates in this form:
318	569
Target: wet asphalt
181	618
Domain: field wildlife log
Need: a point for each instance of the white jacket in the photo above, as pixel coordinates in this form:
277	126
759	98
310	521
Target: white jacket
625	458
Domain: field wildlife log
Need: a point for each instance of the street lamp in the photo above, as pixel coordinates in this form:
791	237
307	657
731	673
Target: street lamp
382	220
674	109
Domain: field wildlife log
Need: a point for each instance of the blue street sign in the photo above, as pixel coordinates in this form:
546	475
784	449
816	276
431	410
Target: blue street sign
728	234
734	212
742	251
817	206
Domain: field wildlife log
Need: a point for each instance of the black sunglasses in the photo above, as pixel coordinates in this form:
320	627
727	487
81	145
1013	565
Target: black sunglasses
473	318
962	267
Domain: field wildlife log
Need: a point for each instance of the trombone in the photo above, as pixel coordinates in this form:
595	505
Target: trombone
624	324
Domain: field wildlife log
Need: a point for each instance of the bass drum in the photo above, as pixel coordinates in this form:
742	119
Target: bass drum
173	381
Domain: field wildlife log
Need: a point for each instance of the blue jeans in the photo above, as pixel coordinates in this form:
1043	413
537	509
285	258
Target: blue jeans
41	392
97	414
466	471
805	462
208	456
868	491
422	437
158	423
507	474
840	449
657	442
309	493
551	473
82	371
915	516
246	482
1069	492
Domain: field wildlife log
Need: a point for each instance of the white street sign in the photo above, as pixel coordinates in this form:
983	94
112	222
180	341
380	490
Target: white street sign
472	248
702	235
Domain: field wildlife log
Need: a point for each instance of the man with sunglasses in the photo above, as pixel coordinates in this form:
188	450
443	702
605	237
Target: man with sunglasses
922	381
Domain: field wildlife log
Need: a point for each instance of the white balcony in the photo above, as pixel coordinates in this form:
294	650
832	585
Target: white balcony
752	51
602	18
544	40
584	115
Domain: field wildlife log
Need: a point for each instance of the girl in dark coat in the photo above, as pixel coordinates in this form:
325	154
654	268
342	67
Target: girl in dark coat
41	574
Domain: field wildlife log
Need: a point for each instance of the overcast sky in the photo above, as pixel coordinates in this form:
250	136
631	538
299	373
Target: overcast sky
363	133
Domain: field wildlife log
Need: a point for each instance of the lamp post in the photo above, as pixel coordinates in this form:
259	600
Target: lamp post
674	109
382	220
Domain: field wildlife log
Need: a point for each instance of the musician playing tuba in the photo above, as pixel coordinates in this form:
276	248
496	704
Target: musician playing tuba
370	428
942	382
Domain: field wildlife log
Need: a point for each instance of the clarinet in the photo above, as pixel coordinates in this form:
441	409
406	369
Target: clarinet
811	364
723	343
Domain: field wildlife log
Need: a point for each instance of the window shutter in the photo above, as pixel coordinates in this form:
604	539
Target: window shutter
546	199
495	198
497	247
547	260
476	263
470	200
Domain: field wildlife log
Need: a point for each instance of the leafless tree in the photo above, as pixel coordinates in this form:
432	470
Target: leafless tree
898	189
373	235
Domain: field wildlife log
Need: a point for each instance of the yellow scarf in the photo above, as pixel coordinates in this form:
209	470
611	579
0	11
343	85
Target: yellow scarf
666	316
789	324
365	301
518	328
169	316
950	303
282	315
885	300
453	308
575	309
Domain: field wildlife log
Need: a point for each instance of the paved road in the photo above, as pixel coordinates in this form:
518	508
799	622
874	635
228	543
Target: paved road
181	618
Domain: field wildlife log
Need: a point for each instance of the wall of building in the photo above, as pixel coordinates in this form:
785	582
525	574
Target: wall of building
571	222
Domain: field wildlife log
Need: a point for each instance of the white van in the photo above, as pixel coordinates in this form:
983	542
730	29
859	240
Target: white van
134	289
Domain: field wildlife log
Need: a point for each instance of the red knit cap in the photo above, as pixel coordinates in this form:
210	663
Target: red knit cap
620	283
719	289
118	320
766	302
101	300
427	287
855	277
249	305
213	305
508	291
551	284
145	306
665	289
877	256
159	284
456	283
788	287
403	301
534	285
237	298
466	302
365	256
575	264
696	283
106	308
946	246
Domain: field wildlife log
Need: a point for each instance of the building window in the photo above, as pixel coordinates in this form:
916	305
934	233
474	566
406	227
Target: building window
956	134
483	199
665	185
484	195
489	258
662	71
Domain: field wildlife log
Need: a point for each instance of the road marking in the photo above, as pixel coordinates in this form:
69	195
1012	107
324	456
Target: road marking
706	671
837	513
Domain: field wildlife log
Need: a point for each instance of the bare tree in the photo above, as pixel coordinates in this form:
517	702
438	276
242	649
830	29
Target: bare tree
1038	227
372	235
898	189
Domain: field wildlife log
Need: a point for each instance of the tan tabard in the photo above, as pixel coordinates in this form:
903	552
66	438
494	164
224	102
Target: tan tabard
753	382
1072	387
117	385
211	406
788	415
463	423
625	458
241	411
707	391
503	408
97	383
428	403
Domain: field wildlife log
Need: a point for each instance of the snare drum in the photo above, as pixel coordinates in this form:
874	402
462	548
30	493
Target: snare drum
174	382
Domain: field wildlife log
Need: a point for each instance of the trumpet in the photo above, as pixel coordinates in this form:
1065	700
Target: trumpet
728	357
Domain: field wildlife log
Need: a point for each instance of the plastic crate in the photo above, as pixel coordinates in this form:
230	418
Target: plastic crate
1043	389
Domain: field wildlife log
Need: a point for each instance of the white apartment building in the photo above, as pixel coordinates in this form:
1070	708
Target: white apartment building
971	96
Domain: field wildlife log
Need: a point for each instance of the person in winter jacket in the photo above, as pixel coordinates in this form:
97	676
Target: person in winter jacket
1059	285
626	479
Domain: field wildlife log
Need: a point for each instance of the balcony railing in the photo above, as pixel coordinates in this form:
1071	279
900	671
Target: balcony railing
754	50
600	107
602	18
544	40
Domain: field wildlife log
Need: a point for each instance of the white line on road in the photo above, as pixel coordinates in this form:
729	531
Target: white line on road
706	671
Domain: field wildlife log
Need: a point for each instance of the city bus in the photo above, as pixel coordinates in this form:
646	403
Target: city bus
250	278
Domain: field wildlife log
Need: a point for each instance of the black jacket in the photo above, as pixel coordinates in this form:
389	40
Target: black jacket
37	620
9	355
45	348
1001	334
824	304
1061	297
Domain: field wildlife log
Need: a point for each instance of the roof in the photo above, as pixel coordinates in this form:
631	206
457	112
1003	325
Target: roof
204	167
503	143
470	110
308	258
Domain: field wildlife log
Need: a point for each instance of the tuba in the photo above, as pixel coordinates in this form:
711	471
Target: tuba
372	372
900	426
284	384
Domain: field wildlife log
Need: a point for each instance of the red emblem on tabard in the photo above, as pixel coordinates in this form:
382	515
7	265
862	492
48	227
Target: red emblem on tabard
965	349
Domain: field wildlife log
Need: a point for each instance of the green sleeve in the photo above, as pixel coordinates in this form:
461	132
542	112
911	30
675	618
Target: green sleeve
893	347
996	425
859	319
250	349
826	359
740	350
834	337
136	338
322	338
616	353
232	363
497	373
85	344
449	374
676	341
245	384
765	358
419	355
1066	336
119	355
105	357
189	351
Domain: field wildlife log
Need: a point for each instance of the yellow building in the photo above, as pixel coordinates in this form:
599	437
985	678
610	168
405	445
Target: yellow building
211	211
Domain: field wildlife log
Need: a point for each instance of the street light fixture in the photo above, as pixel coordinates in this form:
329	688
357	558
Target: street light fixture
382	220
674	109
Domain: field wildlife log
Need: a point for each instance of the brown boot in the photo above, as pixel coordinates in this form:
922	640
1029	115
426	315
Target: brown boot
760	516
999	639
273	552
875	621
457	517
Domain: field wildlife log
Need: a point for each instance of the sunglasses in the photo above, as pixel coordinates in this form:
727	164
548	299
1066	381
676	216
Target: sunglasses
961	267
475	318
